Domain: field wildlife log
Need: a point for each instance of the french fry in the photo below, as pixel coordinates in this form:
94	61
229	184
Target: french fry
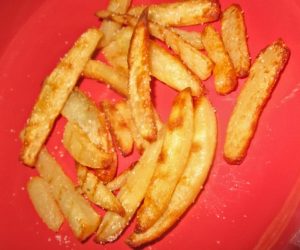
234	37
194	38
131	194
118	127
224	73
43	201
81	217
193	178
102	72
55	92
139	90
182	13
97	192
171	161
195	60
252	99
82	149
119	181
109	28
174	73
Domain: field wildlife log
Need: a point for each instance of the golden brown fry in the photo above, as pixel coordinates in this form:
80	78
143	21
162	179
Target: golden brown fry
171	161
81	217
194	38
131	194
252	99
109	28
56	89
118	127
102	72
234	36
139	90
193	178
97	192
224	73
82	149
119	181
43	201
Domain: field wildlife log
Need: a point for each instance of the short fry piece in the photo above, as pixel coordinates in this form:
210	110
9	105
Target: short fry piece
171	161
252	99
193	177
224	73
82	149
131	194
97	192
43	201
102	72
234	36
55	92
119	181
81	217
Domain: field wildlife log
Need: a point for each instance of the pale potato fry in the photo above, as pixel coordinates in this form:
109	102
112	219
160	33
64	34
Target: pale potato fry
139	89
193	178
118	127
131	194
56	89
174	73
195	60
234	37
82	149
194	38
224	73
109	28
81	217
119	181
97	192
44	203
171	161
252	99
102	72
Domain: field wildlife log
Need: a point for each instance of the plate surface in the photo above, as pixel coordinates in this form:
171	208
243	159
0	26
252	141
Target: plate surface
238	202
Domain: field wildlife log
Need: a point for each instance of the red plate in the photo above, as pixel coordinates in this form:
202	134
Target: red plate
239	203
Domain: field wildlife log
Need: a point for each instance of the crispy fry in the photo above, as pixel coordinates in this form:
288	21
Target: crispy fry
194	38
120	180
56	89
40	195
224	73
82	149
109	28
193	177
252	99
118	127
131	194
139	90
97	192
81	217
174	73
102	72
171	162
234	36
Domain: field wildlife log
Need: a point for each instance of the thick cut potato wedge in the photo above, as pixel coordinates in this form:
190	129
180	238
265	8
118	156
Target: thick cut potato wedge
44	203
97	192
174	73
118	127
55	92
131	194
109	28
139	89
81	217
224	73
171	162
102	72
119	181
234	37
82	149
193	178
252	99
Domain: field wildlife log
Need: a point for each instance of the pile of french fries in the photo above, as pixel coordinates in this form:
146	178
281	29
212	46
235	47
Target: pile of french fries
176	156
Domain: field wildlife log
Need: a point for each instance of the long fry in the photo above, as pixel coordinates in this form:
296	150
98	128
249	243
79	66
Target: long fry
252	99
193	177
56	89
